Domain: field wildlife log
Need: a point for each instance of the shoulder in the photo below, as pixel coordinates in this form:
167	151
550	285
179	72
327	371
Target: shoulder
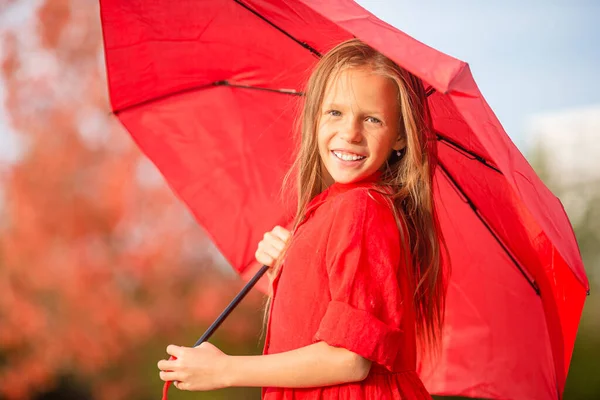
365	197
365	204
363	218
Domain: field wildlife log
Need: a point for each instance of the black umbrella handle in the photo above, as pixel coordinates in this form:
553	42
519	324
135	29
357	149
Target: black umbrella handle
240	296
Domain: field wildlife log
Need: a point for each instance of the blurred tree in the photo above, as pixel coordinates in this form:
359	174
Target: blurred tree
100	266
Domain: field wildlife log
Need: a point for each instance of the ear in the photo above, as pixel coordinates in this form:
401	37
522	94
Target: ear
400	142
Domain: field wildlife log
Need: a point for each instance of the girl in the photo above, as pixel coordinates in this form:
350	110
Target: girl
360	282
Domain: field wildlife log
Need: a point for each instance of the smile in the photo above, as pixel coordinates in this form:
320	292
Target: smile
347	156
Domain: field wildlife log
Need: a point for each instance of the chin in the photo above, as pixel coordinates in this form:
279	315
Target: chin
346	178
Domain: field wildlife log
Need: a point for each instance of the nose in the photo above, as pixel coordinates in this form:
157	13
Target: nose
352	131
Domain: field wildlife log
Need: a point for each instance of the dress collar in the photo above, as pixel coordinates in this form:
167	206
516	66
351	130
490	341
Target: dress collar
338	188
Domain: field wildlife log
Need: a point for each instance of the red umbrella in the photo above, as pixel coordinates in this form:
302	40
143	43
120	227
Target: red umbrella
209	90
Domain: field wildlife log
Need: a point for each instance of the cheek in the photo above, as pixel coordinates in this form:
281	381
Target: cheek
323	137
381	144
379	141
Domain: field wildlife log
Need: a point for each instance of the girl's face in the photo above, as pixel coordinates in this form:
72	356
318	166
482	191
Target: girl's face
358	125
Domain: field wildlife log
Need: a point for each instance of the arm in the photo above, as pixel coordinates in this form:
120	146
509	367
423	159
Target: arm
314	365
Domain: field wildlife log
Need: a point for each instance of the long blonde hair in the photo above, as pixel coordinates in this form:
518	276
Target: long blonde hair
410	176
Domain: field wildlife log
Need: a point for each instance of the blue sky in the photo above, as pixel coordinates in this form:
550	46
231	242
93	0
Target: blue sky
528	57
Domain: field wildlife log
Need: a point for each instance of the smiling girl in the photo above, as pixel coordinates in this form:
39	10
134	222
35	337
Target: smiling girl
359	282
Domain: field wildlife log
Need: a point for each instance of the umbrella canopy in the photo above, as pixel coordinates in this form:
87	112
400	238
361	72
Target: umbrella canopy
209	90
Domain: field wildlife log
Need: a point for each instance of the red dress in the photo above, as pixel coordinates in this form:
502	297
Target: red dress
342	282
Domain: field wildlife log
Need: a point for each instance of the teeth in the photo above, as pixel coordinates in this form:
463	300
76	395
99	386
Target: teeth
347	157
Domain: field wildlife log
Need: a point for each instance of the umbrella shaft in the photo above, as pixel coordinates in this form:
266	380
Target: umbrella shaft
240	296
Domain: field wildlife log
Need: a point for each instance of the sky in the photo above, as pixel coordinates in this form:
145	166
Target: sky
528	57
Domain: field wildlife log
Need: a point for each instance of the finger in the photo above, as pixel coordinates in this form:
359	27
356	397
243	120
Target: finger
176	351
169	376
180	385
166	365
264	259
271	250
281	233
273	240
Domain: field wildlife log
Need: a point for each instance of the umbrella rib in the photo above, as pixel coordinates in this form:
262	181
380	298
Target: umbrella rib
305	45
462	193
201	87
284	91
473	156
428	92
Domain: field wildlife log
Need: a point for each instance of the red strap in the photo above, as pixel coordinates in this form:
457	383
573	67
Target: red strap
166	390
167	384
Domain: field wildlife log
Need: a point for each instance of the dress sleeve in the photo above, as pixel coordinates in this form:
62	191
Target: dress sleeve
363	257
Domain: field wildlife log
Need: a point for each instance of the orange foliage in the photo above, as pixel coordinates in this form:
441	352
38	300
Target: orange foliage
94	262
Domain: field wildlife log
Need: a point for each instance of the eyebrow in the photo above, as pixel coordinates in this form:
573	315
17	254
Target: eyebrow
338	106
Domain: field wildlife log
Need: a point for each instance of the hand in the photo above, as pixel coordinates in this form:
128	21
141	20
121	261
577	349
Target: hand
195	368
271	247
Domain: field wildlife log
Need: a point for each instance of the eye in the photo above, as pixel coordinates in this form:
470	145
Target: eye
334	113
374	120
